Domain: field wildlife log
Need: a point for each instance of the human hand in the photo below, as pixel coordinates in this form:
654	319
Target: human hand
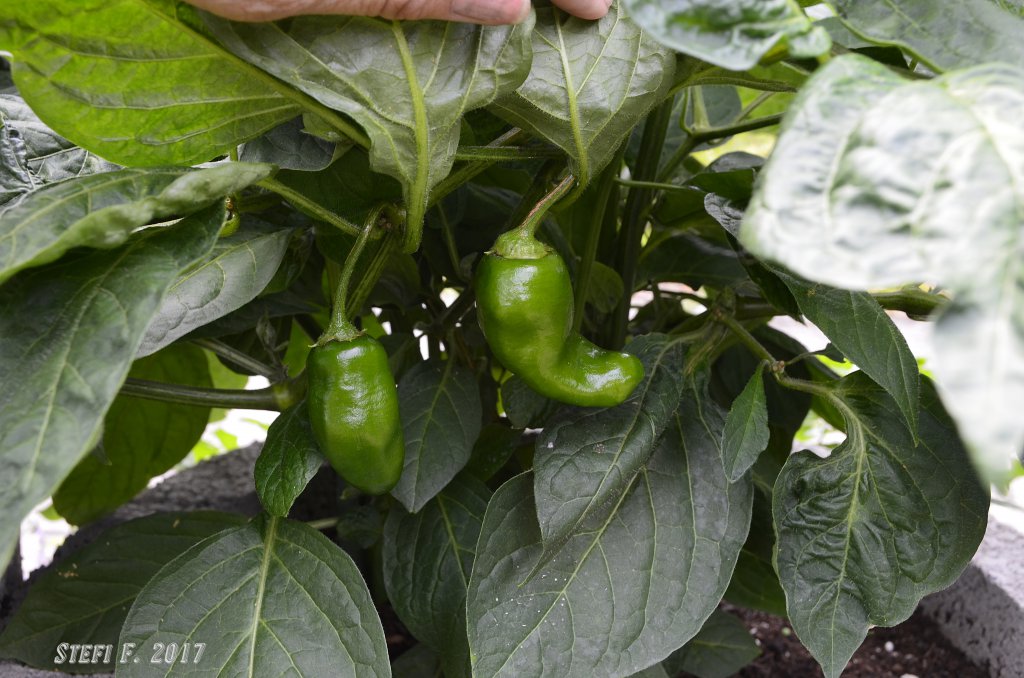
474	11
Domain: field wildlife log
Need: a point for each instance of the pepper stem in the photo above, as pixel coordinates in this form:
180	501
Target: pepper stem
341	327
521	242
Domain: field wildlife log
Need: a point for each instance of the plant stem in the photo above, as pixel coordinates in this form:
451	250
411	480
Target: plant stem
493	154
384	248
308	206
777	367
653	185
913	301
340	327
699	136
278	397
324	523
744	335
590	246
243	360
469	170
449	239
823	392
712	133
651	143
454	313
533	220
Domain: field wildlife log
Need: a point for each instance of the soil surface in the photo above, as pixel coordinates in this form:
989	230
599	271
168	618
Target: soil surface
915	648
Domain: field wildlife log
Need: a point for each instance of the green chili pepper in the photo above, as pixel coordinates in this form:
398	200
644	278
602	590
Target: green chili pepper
352	398
353	408
525	307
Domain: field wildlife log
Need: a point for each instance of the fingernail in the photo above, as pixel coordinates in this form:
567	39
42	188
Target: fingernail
491	11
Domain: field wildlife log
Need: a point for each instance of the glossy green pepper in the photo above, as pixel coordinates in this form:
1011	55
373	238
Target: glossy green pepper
525	308
353	408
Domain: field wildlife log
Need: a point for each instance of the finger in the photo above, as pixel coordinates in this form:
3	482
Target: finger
585	9
475	11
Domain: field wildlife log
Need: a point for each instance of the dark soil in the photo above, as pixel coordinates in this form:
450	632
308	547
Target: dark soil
917	649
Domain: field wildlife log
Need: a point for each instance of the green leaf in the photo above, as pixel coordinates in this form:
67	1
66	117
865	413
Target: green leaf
755	585
524	407
730	176
274	597
237	270
428	557
102	210
288	461
591	82
141	439
33	155
417	662
588	461
605	288
347	187
734	35
984	31
133	82
493	448
884	521
858	194
85	598
721	648
686	258
859	327
628	587
746	428
441	417
290	147
407	84
68	333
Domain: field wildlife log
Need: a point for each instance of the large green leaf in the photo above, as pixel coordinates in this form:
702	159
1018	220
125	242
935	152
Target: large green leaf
859	327
271	598
441	417
591	82
631	585
141	439
33	155
721	648
68	334
866	533
589	460
407	84
288	461
237	270
733	35
943	35
132	81
102	210
428	557
86	598
859	194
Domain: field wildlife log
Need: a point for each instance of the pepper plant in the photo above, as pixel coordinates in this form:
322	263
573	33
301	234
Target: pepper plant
544	268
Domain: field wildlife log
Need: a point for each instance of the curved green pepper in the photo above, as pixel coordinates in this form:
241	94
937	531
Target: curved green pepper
525	307
353	408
